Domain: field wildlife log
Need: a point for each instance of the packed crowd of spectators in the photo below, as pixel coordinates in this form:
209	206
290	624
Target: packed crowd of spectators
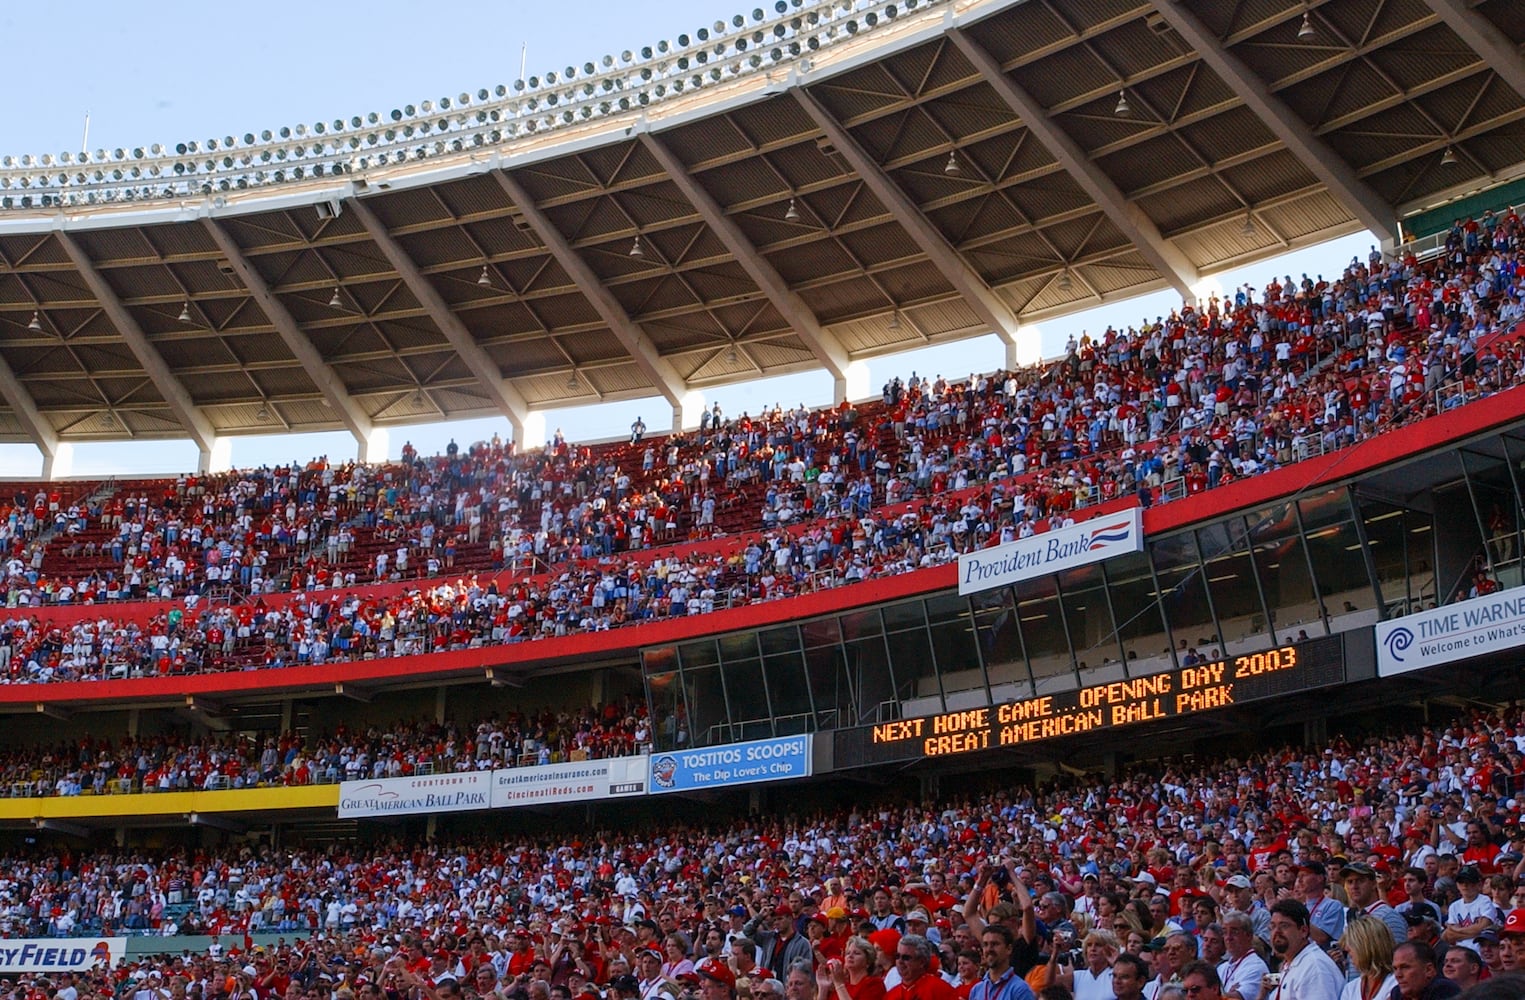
1384	855
1244	385
166	762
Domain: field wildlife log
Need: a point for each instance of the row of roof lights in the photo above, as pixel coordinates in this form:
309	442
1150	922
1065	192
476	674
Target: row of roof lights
788	35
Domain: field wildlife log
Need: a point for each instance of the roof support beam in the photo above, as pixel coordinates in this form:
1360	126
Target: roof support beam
1163	255
1332	171
987	305
300	345
508	399
635	340
31	419
827	349
1483	37
180	403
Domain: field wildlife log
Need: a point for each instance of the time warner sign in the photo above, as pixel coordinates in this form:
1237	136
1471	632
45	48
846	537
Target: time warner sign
1052	552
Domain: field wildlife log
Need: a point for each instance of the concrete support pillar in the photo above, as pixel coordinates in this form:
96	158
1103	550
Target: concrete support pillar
59	463
286	712
439	706
373	445
216	458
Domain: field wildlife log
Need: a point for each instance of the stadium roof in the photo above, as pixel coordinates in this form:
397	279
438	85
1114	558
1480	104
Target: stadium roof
842	181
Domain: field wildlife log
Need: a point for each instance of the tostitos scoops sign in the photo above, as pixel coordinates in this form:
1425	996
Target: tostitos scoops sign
1052	552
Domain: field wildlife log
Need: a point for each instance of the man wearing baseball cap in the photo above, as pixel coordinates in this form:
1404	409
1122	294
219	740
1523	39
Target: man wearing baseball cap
1326	917
1512	942
1472	914
716	980
1360	881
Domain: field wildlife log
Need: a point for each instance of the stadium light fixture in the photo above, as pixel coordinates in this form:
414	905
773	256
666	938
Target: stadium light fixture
1248	229
791	214
1450	159
1066	283
895	319
335	301
1306	30
572	385
263	414
36	325
1123	109
731	357
484	279
635	248
952	169
185	313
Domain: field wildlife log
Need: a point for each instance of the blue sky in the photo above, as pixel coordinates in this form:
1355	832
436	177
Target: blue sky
179	71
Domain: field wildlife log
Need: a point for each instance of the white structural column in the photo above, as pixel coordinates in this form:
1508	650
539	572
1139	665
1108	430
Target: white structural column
508	399
986	304
823	344
1332	171
300	345
1484	37
1163	255
635	340
170	388
31	419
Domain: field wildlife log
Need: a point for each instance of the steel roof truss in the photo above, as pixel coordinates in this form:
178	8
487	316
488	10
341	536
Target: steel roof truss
170	388
824	345
1336	175
657	369
987	305
476	359
1483	37
1130	220
297	341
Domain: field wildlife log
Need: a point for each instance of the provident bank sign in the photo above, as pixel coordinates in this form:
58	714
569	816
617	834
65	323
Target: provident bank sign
1052	552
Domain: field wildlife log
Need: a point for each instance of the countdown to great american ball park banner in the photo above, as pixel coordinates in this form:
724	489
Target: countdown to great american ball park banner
1052	552
1473	627
504	788
54	955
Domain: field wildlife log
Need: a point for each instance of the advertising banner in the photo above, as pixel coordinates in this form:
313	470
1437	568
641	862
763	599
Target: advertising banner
732	764
1455	632
576	781
53	955
1052	552
429	793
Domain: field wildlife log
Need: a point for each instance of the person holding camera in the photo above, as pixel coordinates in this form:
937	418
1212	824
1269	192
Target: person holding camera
1091	977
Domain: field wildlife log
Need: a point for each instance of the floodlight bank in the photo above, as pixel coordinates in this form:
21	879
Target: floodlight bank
504	120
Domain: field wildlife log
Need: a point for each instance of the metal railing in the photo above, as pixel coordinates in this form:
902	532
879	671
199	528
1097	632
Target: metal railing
767	44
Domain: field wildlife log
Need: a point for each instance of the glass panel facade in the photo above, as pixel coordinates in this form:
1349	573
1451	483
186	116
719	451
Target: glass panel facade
1497	512
1044	635
1088	621
1401	552
1242	620
1282	566
664	693
1140	626
1341	581
1183	594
